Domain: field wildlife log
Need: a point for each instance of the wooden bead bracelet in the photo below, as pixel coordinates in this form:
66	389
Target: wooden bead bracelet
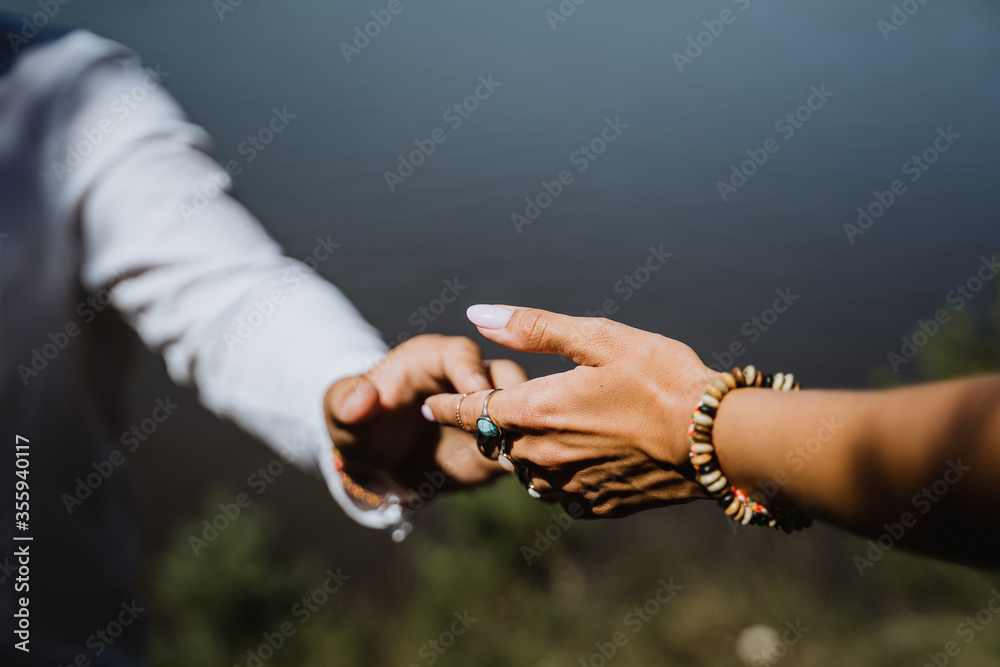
739	506
356	491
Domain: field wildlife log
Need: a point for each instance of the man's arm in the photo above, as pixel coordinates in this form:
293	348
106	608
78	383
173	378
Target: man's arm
260	336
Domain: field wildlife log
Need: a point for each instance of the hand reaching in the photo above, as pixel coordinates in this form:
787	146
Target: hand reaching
611	432
374	419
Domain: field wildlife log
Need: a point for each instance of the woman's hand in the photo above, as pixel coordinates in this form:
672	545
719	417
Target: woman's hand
611	432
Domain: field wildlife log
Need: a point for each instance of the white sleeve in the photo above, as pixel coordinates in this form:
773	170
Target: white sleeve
258	335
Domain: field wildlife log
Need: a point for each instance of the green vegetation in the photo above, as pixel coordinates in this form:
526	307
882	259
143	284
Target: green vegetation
968	344
583	584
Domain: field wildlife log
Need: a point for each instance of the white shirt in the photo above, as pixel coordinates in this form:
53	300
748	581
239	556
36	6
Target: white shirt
106	189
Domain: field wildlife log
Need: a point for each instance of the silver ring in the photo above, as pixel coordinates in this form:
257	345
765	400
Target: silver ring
504	458
524	474
485	423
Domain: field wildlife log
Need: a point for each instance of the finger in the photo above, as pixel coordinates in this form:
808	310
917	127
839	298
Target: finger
542	486
351	401
462	363
505	373
585	340
504	407
461	460
446	408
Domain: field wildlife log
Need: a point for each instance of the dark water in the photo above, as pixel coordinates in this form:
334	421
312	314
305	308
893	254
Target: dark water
656	184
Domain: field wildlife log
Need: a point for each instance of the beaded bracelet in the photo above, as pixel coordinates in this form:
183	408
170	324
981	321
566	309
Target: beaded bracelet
739	506
356	491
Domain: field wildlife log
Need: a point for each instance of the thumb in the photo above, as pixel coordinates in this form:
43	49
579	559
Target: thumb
586	340
351	401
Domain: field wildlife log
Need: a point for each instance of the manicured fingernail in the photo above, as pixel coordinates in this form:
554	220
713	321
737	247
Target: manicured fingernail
489	317
425	410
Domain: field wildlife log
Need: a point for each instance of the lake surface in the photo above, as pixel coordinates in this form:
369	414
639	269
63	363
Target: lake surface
685	116
655	186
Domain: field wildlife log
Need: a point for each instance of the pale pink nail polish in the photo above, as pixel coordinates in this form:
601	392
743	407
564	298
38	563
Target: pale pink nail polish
425	410
489	317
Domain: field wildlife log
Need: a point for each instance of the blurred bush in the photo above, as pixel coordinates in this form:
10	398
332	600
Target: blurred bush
500	579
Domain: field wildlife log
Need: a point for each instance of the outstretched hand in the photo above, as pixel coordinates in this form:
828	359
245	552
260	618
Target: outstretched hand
612	432
374	419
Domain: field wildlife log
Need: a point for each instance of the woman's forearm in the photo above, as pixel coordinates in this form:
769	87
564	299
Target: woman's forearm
923	457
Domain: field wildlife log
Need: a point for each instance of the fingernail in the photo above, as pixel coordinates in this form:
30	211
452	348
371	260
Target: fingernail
425	410
489	317
481	381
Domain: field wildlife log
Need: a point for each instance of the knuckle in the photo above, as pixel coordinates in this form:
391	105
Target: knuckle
573	486
596	332
533	324
535	413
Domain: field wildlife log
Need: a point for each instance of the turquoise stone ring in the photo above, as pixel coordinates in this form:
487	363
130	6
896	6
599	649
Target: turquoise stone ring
490	438
485	423
487	427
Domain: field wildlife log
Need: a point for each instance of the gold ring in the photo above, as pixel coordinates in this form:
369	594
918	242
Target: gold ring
458	411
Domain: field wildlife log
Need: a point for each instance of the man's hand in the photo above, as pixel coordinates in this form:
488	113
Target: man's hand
375	421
